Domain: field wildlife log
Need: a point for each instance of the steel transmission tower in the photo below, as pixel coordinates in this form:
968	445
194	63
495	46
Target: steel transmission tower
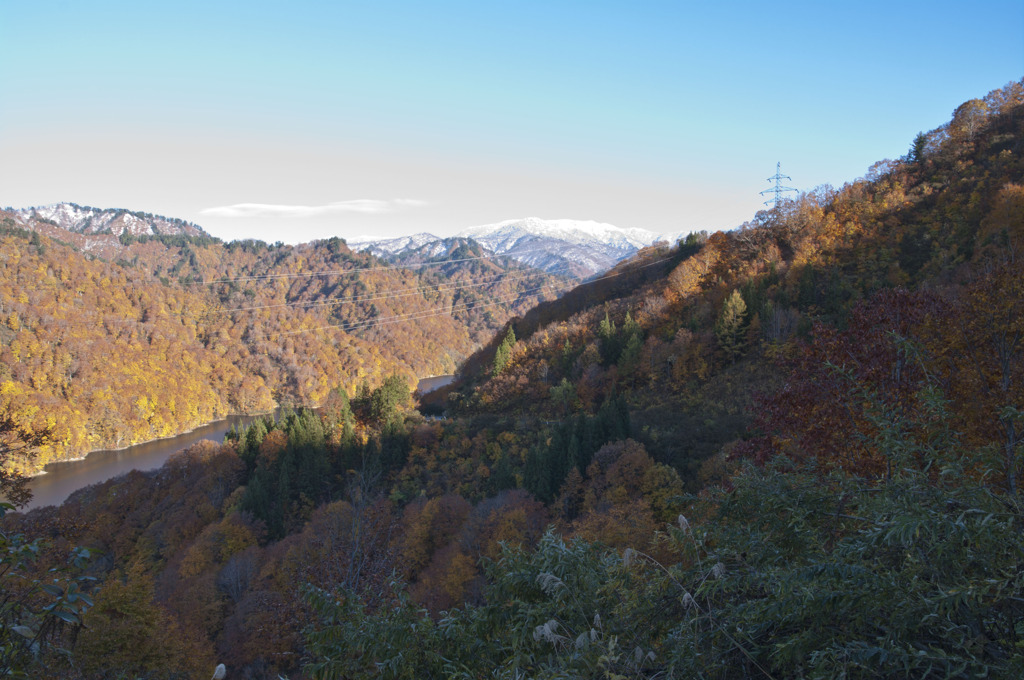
778	189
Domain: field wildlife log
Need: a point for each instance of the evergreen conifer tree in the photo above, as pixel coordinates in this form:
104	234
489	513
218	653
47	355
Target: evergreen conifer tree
729	328
504	352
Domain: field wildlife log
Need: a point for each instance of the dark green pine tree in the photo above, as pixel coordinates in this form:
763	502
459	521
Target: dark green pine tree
630	327
610	343
537	475
572	459
567	358
564	396
256	499
361	402
503	354
729	329
502	476
630	357
389	400
340	416
305	430
917	148
284	496
394	447
591	436
249	443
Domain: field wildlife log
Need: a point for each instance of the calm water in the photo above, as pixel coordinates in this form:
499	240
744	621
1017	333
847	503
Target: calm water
431	384
63	479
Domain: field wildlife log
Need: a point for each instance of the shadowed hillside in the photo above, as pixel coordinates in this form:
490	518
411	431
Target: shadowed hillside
789	450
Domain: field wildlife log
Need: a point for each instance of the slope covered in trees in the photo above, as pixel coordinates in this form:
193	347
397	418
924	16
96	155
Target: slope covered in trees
724	316
174	331
790	450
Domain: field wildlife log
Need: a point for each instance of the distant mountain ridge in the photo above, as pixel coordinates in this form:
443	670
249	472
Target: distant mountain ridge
136	335
430	245
88	220
569	247
574	248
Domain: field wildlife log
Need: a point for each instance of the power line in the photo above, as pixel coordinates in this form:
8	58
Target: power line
420	315
405	292
342	272
385	295
414	316
473	282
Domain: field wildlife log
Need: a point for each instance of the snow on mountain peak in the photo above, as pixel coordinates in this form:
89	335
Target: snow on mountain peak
88	220
571	231
563	246
393	245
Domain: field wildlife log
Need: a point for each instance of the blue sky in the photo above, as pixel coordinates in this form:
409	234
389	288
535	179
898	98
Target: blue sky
384	118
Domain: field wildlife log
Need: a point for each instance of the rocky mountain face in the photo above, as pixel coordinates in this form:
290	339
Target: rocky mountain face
571	248
96	221
422	245
576	248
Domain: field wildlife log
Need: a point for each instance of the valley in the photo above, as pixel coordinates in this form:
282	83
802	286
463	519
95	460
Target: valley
791	449
58	480
190	330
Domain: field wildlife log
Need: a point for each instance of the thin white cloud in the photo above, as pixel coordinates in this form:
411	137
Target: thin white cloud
366	206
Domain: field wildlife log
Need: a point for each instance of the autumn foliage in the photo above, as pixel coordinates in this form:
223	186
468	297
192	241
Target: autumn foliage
166	334
785	450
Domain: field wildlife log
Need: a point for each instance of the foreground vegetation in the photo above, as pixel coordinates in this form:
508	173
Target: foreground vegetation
790	450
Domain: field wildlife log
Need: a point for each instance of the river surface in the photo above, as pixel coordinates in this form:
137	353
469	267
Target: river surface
431	384
64	478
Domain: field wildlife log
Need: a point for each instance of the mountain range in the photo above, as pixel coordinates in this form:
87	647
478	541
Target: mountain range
88	220
579	248
787	450
123	327
574	248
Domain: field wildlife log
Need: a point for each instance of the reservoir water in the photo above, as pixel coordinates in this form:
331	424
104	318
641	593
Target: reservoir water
430	384
64	478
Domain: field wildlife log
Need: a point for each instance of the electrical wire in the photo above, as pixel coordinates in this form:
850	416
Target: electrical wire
405	292
372	323
422	314
342	272
414	316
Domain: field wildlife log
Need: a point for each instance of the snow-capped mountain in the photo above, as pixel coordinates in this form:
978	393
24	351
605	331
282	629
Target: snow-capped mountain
573	247
504	237
567	247
87	220
419	248
394	246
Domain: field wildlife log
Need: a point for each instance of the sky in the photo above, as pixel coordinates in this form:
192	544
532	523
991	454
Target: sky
305	120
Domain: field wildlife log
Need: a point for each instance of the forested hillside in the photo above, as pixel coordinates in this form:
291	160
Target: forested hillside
789	450
159	334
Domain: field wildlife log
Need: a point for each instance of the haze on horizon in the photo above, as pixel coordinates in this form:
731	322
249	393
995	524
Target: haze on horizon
322	119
